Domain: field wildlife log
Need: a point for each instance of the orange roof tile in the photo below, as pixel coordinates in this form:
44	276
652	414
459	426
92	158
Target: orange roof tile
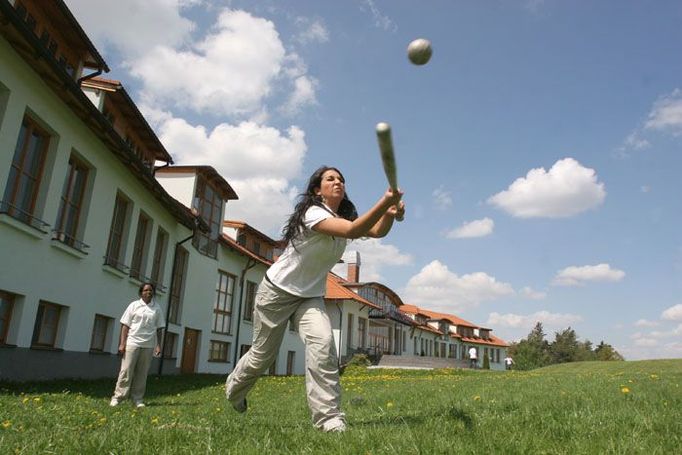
336	291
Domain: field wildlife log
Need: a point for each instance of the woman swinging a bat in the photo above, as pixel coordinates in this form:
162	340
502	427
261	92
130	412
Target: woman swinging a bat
294	286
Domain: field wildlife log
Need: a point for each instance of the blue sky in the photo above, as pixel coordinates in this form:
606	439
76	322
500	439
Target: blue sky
538	149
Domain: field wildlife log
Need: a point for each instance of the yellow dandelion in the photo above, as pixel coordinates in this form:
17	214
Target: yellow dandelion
389	404
477	398
37	399
155	420
6	424
625	389
24	401
654	376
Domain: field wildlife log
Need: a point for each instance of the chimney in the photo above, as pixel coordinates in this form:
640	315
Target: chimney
353	260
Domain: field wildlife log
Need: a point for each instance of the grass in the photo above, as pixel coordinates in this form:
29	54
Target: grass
590	407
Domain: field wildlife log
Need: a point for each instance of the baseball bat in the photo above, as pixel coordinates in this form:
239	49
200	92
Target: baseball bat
388	156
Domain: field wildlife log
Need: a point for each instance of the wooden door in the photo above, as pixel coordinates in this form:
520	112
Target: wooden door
189	351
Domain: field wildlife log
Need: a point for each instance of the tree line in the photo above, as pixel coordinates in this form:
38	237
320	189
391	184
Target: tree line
535	351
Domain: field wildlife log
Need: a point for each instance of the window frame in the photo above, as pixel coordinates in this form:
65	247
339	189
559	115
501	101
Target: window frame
209	204
177	291
72	237
17	173
223	306
39	325
250	300
224	346
108	321
8	299
115	253
159	258
138	263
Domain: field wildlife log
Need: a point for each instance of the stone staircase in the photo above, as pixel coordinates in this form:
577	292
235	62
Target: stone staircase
408	361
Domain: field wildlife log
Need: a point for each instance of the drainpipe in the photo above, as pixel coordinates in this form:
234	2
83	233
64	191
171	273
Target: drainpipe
170	292
249	264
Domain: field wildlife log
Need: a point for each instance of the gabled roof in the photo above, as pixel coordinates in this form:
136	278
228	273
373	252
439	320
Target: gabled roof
133	117
337	291
97	60
232	244
492	341
251	230
428	328
385	289
209	173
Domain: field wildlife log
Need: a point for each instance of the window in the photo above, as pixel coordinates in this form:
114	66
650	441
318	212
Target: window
362	332
250	300
69	217
291	359
159	259
244	349
349	332
46	325
219	351
210	206
169	345
141	247
117	234
6	307
100	330
222	310
25	174
178	288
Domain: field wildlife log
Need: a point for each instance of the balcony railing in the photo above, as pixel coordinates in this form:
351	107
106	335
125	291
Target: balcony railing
23	216
115	263
69	240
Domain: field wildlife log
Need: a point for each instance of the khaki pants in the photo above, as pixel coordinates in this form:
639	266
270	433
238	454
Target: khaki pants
273	309
132	379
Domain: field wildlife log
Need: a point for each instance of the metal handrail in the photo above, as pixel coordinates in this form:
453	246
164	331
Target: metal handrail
69	240
23	216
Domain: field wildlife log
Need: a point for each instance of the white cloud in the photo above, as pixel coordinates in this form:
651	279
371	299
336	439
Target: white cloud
134	26
666	114
304	94
577	276
646	342
532	294
230	72
567	189
311	31
645	323
437	288
374	256
442	199
471	229
674	313
552	321
380	20
258	162
635	142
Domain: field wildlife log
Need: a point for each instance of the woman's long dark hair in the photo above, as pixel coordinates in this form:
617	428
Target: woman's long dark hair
306	200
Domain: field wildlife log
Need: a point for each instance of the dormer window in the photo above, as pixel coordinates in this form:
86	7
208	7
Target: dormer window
209	204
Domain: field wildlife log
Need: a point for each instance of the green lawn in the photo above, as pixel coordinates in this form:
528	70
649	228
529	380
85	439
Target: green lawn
591	407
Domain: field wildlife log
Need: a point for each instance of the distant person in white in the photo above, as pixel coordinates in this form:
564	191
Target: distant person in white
294	286
508	361
473	357
141	329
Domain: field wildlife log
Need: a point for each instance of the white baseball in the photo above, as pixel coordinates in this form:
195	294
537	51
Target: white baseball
419	51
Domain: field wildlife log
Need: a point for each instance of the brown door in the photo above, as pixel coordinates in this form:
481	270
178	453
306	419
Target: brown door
189	351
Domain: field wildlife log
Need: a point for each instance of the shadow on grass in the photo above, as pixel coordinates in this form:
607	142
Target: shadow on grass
157	387
452	413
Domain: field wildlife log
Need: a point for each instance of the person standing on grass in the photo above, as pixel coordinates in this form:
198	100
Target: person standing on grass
294	286
508	361
473	357
141	329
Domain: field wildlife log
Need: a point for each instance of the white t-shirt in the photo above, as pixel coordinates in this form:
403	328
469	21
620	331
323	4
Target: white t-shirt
143	320
472	353
303	266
